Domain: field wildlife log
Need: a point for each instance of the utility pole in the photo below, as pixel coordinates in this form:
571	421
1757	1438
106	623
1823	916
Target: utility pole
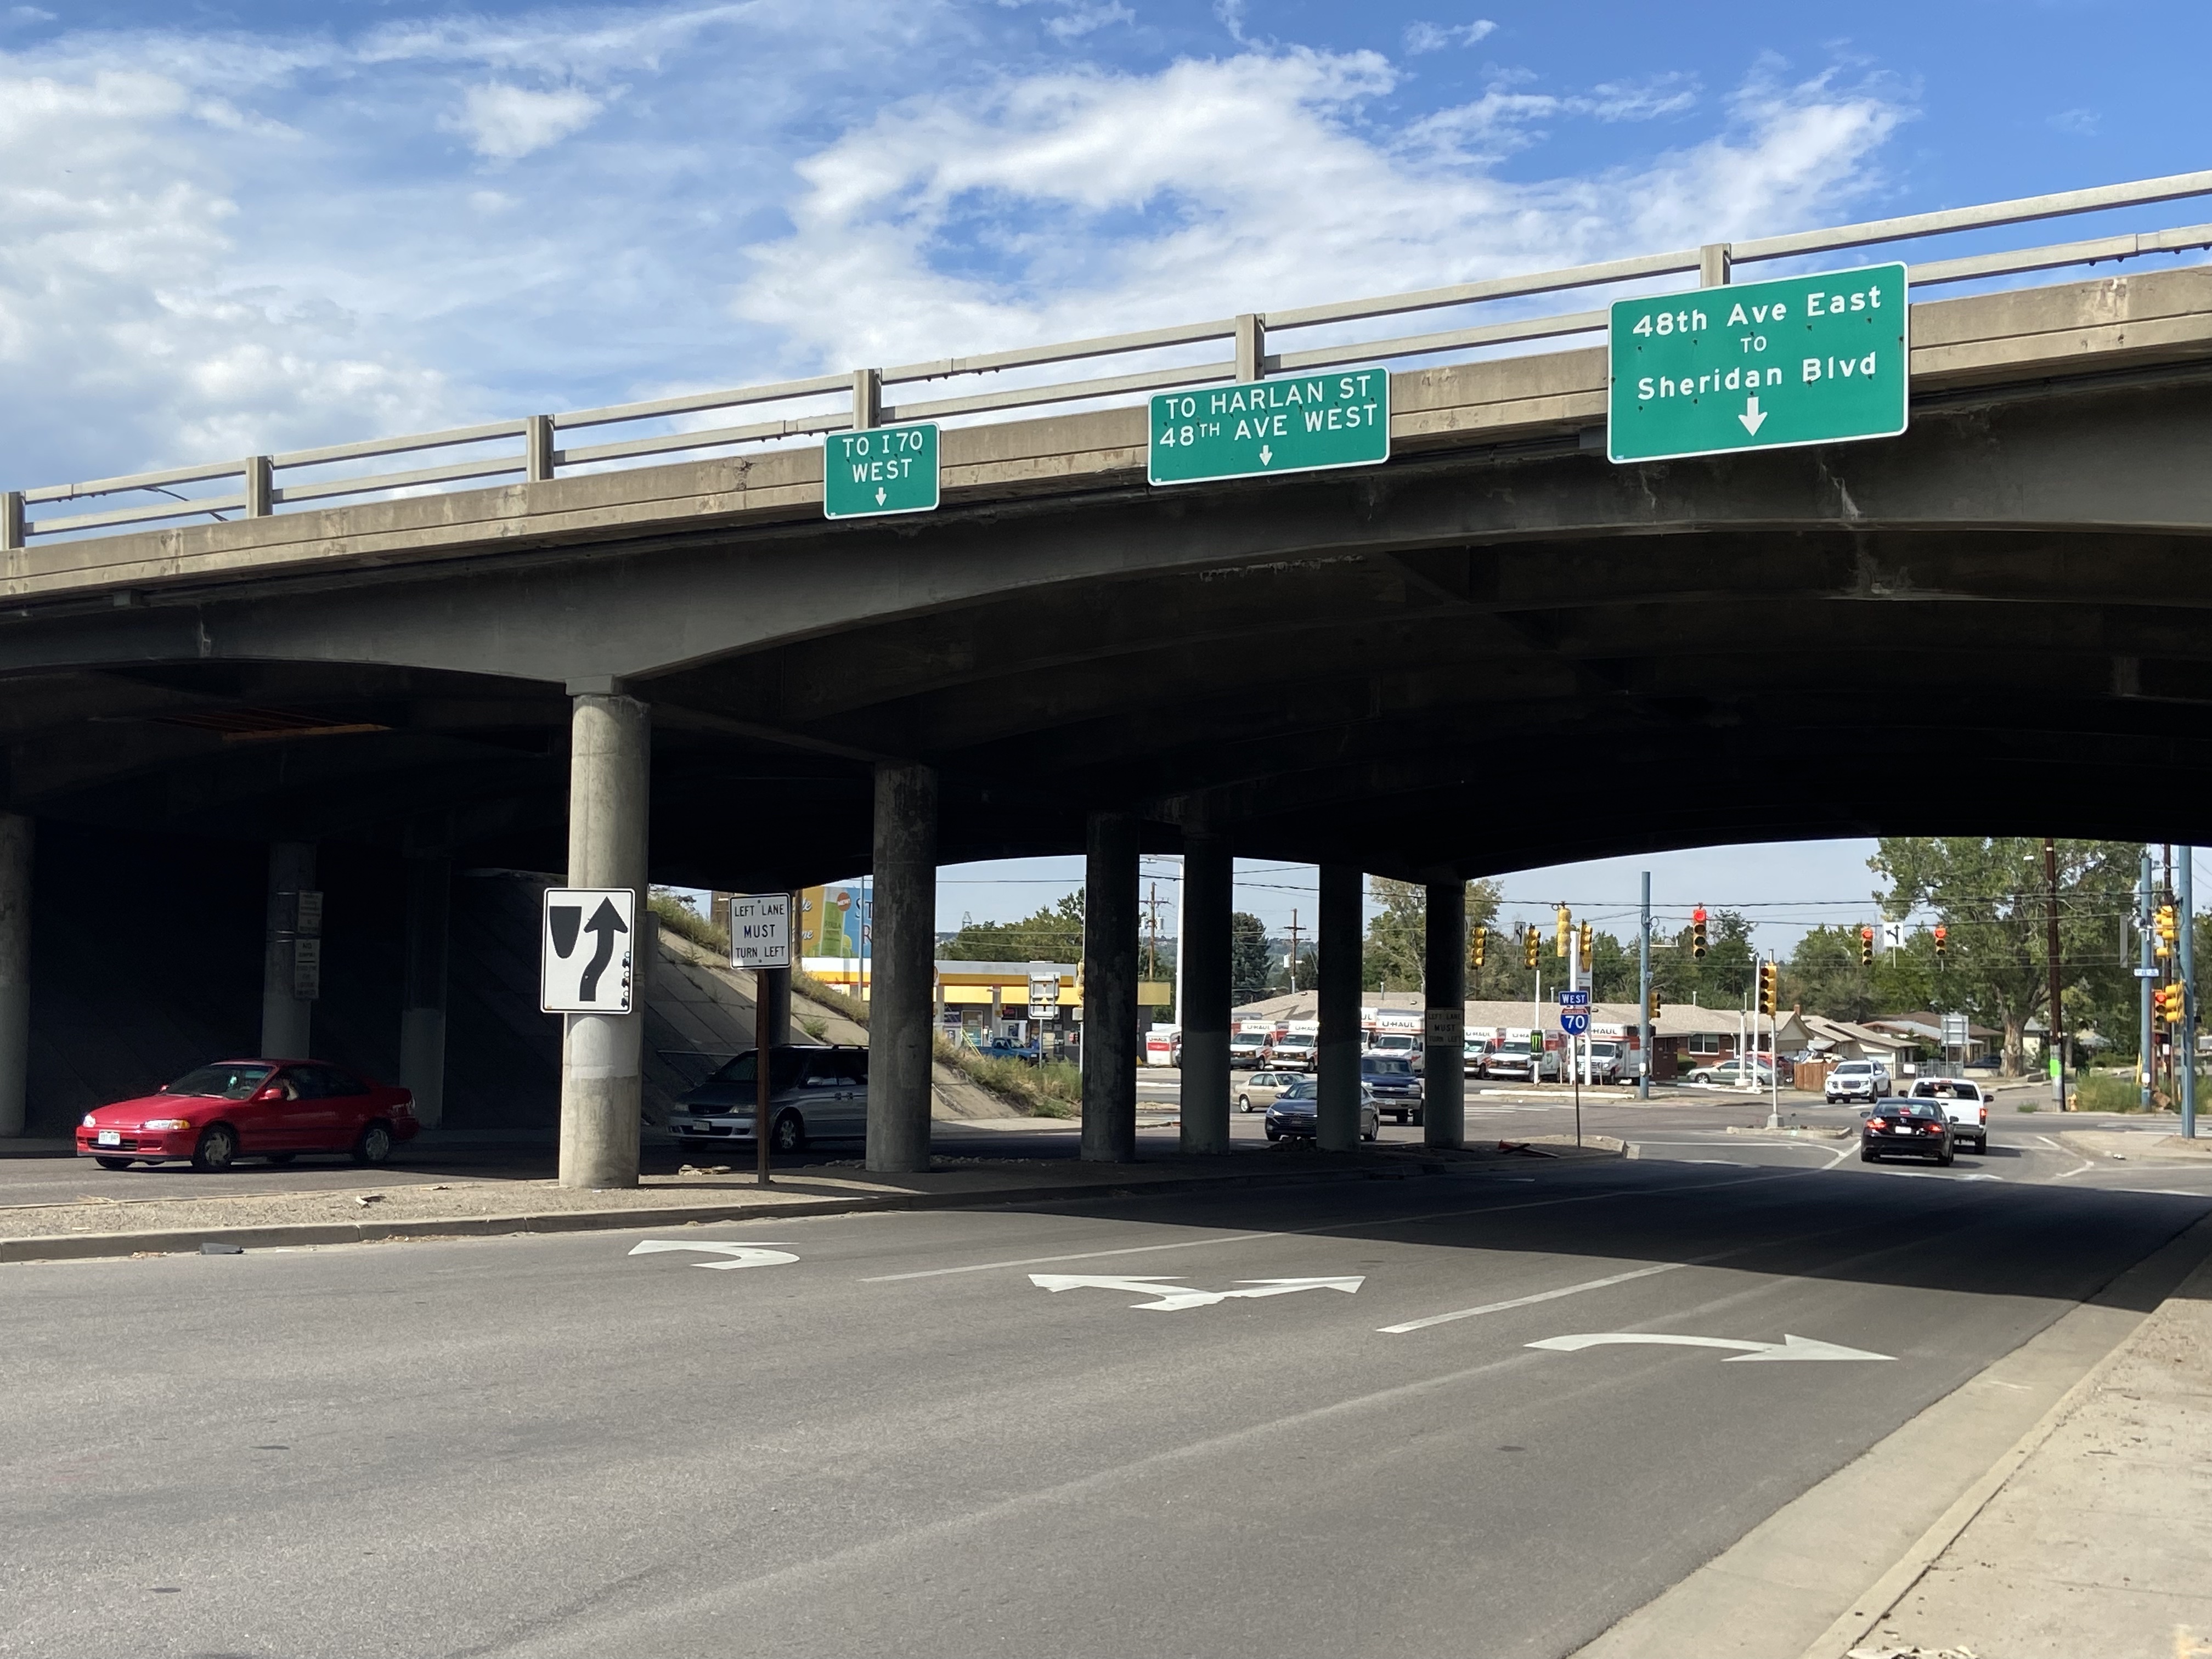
1293	964
2052	1025
1153	933
2145	971
2189	992
1644	991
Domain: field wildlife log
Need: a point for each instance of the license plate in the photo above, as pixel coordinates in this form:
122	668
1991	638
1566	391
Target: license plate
109	1138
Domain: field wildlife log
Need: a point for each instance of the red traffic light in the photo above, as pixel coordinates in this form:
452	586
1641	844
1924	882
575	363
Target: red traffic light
1697	916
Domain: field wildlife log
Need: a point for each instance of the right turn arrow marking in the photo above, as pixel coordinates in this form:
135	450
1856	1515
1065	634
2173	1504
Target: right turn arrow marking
1789	1348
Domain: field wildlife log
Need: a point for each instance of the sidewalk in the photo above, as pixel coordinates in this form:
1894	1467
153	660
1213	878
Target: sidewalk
2101	1541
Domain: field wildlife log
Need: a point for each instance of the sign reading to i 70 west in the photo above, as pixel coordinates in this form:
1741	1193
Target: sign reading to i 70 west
1803	360
1297	423
879	469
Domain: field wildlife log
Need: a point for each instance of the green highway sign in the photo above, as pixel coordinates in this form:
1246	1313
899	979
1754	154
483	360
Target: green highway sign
1803	360
879	469
1297	423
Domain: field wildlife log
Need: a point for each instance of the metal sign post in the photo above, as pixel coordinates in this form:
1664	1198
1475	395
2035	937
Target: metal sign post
1574	1020
760	939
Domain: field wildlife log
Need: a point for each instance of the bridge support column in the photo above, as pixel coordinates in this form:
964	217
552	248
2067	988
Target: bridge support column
286	1017
1443	1020
16	836
610	778
1109	989
1203	966
423	998
904	952
1337	1054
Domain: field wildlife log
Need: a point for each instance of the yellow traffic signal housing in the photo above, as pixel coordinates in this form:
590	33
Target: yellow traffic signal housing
1698	932
2169	1002
1652	1013
2168	928
1475	946
1866	947
1528	946
1769	988
1566	920
1587	936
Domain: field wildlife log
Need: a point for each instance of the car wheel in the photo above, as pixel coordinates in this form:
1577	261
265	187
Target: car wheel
789	1135
1374	1133
1274	1135
1868	1155
1243	1103
114	1163
1945	1158
1417	1120
280	1159
373	1144
216	1149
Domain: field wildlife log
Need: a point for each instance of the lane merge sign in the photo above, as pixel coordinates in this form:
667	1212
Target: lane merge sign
1294	423
1801	359
878	471
584	962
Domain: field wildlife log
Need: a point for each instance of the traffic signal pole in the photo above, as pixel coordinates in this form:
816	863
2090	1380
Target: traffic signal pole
2187	878
2147	1015
1643	990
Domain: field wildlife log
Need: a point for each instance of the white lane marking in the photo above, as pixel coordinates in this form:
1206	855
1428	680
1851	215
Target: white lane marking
1073	1255
741	1256
1530	1301
1175	1298
1725	1163
2049	1142
2077	1169
1790	1348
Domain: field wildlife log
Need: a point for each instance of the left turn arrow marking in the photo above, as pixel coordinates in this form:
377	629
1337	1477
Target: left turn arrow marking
741	1256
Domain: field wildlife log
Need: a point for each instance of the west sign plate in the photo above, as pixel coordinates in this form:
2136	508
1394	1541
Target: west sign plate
879	469
1803	360
1295	424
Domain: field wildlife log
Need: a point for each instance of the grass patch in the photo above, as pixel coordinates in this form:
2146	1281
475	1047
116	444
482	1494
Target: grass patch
828	996
1051	1090
678	917
2107	1091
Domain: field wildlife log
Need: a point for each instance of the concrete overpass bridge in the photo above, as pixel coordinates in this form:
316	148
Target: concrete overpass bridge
1497	649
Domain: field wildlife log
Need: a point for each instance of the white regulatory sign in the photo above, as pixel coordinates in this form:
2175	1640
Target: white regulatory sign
760	930
585	957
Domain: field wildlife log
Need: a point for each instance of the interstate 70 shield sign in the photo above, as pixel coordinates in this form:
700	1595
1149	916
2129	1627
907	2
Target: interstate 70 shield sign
586	953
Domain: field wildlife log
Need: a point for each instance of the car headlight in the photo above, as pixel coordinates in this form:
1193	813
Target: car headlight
167	1123
87	1123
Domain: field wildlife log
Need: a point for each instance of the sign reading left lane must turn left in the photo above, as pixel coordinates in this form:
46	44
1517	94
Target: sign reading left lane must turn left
586	954
878	471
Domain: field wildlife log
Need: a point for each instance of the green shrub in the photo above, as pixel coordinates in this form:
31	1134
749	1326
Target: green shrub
828	996
678	917
1051	1090
2107	1091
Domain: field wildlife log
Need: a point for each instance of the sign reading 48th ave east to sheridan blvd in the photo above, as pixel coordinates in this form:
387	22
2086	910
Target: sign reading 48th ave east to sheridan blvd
879	469
1802	360
1297	423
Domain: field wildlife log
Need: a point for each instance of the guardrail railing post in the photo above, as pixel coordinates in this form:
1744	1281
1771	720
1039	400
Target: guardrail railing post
260	492
867	399
11	520
1251	346
538	447
1713	262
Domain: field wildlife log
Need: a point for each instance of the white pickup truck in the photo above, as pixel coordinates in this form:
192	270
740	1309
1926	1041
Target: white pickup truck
1964	1103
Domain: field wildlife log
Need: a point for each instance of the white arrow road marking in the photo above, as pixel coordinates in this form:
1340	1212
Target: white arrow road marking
1789	1348
741	1256
1753	417
1172	1298
1266	454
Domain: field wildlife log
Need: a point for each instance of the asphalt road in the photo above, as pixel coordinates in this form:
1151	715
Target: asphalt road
900	1442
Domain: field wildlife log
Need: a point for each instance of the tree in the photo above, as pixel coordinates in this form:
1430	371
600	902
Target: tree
1395	955
1053	933
1251	963
1724	979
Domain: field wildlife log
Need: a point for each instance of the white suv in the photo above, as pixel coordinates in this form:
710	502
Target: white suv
1854	1080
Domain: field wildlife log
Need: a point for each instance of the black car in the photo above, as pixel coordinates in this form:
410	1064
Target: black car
1919	1127
1396	1089
1295	1114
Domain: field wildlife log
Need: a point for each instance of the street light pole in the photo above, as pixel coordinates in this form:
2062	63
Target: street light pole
1643	989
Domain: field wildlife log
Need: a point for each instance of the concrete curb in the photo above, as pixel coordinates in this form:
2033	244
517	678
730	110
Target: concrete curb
77	1247
1853	1627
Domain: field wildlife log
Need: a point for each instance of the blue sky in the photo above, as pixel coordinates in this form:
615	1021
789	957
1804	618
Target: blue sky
235	228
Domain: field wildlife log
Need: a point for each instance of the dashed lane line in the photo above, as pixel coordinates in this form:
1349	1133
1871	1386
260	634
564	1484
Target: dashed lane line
1530	1301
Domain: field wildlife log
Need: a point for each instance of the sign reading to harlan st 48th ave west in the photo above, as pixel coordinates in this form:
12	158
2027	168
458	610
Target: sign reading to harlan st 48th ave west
882	469
1298	423
1803	360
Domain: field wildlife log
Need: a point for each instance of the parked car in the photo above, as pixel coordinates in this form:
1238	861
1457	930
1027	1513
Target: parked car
1854	1080
1964	1103
1919	1127
1259	1090
1294	1115
1733	1073
1508	1058
815	1094
1988	1062
268	1108
1396	1089
1299	1052
1029	1053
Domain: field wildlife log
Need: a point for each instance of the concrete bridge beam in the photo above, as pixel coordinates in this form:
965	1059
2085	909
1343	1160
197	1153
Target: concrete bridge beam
610	762
423	998
16	837
1337	1058
1110	1049
1202	964
1443	1018
900	1004
286	1017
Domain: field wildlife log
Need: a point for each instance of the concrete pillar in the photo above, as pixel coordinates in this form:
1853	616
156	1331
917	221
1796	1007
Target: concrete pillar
905	960
610	778
16	841
1337	1058
423	992
286	1017
1109	989
1443	1021
1202	944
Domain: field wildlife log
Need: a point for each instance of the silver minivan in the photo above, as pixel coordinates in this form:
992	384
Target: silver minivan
817	1094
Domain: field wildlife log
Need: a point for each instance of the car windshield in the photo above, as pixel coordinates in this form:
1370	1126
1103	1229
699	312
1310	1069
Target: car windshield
782	1069
220	1082
1854	1068
1376	1066
1604	1050
1302	1090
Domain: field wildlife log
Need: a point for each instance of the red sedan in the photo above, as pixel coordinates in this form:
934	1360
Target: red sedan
268	1109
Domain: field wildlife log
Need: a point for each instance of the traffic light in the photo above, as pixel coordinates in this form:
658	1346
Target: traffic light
1769	988
1476	946
2169	930
1528	946
2167	1000
1866	947
1698	932
1586	937
1942	938
1651	1013
1566	920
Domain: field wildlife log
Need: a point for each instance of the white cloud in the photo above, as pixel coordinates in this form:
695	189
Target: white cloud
1435	37
2080	123
1077	18
506	123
